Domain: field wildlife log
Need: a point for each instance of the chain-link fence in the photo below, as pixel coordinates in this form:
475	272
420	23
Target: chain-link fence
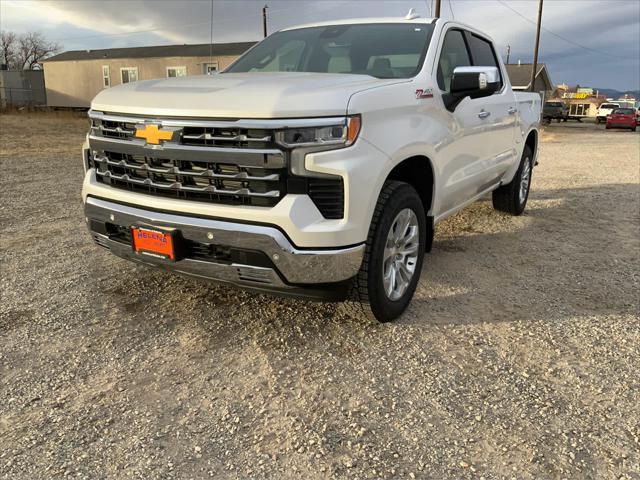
23	88
21	97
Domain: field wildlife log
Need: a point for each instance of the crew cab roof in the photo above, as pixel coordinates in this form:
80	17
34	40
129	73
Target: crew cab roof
360	21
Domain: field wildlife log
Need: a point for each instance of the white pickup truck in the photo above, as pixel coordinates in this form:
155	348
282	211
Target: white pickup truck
317	164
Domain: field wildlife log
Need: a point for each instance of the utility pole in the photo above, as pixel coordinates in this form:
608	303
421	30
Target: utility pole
535	55
264	19
211	40
508	53
438	8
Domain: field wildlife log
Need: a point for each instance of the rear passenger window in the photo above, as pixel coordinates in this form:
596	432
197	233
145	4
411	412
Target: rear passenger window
482	53
454	54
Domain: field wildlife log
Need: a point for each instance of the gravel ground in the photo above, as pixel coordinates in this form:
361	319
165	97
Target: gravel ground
518	358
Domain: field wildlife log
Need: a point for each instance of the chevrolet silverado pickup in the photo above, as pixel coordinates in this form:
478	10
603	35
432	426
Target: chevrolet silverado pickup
317	164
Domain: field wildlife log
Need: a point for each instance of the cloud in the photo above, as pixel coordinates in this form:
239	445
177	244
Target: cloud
612	27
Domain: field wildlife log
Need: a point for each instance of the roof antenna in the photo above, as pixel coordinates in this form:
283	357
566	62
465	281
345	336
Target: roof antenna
412	14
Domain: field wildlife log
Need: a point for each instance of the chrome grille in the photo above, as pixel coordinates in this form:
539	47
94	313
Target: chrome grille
124	130
226	137
204	181
233	162
197	136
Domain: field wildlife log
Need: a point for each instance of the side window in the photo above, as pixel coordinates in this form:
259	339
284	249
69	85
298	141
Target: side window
483	54
454	54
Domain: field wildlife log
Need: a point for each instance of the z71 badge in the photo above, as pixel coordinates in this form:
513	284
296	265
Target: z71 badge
424	93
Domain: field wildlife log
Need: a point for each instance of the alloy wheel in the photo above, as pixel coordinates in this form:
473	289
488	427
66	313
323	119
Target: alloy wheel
400	254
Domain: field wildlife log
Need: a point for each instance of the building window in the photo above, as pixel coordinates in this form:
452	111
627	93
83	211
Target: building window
579	109
129	74
176	71
209	68
106	81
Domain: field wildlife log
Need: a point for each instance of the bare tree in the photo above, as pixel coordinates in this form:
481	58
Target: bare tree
32	48
25	52
7	47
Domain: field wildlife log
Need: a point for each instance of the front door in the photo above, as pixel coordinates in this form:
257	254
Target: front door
465	154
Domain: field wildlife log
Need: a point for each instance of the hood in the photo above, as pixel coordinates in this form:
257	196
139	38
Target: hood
239	95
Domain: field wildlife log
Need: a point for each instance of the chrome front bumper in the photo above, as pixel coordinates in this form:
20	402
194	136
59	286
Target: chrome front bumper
291	269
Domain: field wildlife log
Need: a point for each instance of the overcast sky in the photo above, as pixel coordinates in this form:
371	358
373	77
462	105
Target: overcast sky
600	44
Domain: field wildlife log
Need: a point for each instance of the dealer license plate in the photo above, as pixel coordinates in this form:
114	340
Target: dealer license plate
155	243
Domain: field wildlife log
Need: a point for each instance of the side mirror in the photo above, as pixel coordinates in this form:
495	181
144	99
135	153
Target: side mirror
473	82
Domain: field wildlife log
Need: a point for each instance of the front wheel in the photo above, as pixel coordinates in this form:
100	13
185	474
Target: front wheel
512	197
393	256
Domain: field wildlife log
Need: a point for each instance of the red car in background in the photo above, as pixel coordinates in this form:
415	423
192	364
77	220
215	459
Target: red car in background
622	118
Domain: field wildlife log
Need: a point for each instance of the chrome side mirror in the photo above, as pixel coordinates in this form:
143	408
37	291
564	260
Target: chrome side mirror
473	82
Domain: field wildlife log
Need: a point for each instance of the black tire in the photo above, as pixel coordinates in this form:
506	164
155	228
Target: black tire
367	297
598	121
507	197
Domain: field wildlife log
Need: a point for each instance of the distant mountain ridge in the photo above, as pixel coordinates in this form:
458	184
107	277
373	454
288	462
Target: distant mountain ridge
611	93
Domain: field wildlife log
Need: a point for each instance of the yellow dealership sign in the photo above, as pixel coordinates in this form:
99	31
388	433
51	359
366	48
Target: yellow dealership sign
576	95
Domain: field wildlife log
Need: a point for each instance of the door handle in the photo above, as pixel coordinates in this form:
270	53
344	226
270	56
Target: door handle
512	110
484	114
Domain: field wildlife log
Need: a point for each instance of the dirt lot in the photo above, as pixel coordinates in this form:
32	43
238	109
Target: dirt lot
519	357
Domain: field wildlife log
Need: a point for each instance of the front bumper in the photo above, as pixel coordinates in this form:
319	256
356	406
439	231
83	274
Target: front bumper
283	268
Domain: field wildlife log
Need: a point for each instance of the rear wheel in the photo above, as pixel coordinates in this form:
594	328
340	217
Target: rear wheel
394	252
512	197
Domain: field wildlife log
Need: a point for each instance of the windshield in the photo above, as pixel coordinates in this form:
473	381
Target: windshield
381	50
624	111
609	105
553	104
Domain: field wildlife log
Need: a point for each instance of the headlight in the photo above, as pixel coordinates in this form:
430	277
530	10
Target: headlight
339	135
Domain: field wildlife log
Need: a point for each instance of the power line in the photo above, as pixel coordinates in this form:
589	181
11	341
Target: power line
557	35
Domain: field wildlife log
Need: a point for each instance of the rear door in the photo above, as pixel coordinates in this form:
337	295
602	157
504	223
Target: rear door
500	124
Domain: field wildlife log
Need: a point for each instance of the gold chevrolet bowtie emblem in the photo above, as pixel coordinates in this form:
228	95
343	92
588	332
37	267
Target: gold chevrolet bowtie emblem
152	134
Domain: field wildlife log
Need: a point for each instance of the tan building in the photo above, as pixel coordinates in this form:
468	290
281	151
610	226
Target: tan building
582	102
73	78
520	77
